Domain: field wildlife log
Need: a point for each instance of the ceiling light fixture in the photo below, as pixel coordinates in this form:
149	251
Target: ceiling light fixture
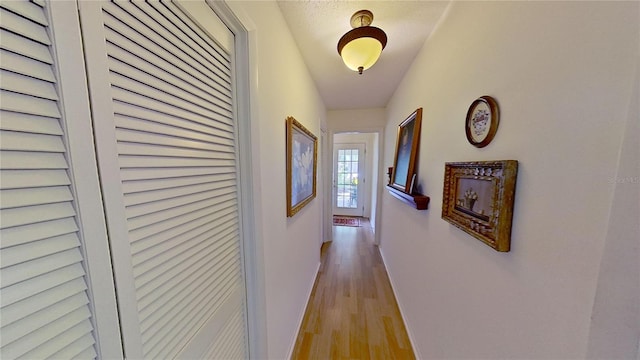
361	47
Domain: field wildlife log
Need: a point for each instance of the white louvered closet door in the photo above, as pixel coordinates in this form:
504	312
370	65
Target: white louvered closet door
161	82
45	309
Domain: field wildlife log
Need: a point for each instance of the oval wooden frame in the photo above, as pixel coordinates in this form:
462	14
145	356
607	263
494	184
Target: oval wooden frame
495	120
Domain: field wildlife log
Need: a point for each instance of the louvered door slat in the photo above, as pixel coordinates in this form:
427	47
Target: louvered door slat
163	218
156	63
18	273
185	247
181	91
147	102
138	186
176	285
151	120
147	249
169	133
28	85
19	45
28	104
44	317
23	26
23	234
29	123
172	198
26	66
18	254
46	340
132	161
14	160
181	315
18	292
82	348
143	137
209	48
76	327
28	10
44	305
35	214
172	173
164	40
182	245
177	192
122	61
168	97
170	55
50	297
13	140
226	347
27	197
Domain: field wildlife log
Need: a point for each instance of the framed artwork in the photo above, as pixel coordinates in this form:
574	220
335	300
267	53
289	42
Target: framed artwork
407	144
482	121
478	198
302	164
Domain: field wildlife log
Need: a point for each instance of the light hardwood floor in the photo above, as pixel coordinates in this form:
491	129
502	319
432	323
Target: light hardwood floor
352	312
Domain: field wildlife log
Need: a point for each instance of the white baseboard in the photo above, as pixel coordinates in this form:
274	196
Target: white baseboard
406	323
301	317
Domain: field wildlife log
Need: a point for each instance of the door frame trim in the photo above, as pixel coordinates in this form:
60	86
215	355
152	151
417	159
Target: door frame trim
381	175
246	76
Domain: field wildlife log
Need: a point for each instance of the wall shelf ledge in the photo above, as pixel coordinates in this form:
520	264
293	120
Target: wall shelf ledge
418	201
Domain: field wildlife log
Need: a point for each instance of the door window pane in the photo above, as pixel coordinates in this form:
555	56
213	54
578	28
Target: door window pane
347	179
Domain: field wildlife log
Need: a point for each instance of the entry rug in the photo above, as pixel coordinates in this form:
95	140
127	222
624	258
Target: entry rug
345	221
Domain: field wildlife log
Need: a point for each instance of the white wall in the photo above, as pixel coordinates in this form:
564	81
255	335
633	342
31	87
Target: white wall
562	73
615	328
290	247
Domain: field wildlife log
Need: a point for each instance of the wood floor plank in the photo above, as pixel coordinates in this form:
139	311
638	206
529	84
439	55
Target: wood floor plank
352	312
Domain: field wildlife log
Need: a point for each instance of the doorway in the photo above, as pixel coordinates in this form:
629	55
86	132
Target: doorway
348	181
354	177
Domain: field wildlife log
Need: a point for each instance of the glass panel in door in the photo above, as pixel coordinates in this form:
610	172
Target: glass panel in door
348	171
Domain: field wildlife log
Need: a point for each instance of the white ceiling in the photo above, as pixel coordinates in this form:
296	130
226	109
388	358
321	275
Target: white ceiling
317	25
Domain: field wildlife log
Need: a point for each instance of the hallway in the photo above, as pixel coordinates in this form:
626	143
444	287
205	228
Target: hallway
352	312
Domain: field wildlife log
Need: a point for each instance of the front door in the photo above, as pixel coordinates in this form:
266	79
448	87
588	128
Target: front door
348	179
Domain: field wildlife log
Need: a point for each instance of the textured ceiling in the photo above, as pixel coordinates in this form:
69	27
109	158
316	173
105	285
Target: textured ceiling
318	25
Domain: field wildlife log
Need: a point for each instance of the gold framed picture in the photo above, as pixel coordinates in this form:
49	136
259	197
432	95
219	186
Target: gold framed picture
407	144
302	164
478	198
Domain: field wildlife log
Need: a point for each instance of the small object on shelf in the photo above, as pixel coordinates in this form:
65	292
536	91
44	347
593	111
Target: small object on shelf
389	172
418	201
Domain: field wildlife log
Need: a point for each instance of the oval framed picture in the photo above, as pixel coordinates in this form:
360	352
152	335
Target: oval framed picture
482	121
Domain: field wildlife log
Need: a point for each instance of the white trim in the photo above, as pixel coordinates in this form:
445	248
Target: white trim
68	52
102	111
381	174
249	178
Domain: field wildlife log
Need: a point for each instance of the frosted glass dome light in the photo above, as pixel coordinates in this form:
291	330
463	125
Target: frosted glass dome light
361	47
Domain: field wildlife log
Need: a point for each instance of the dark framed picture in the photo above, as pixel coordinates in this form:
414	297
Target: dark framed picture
302	158
478	198
407	143
482	121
